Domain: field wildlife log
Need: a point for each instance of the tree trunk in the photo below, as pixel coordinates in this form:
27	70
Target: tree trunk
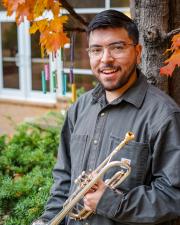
174	82
155	19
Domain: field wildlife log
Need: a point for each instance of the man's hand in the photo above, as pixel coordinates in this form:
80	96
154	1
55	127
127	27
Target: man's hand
92	198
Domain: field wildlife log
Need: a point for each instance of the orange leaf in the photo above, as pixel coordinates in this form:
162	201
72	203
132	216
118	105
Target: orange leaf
55	8
21	12
52	36
40	25
56	24
39	8
53	41
176	41
12	5
49	4
174	60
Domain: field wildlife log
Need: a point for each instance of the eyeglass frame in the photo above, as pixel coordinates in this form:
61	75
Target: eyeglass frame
108	46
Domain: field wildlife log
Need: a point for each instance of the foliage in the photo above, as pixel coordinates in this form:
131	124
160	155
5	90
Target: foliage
52	36
174	59
80	91
26	165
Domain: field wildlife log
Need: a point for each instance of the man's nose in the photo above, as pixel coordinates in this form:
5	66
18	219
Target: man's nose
106	56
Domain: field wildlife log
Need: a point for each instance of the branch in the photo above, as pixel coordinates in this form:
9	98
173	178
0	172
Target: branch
70	9
171	33
71	29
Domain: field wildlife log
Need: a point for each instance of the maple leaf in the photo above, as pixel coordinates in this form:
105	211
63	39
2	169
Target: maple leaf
56	24
172	62
12	5
52	41
56	8
174	59
49	4
52	36
39	8
22	12
40	25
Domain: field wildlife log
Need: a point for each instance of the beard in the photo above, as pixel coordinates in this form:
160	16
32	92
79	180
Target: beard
120	82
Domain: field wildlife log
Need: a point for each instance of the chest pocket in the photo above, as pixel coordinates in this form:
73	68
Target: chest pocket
137	154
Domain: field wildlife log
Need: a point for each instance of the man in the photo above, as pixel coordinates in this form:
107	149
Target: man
123	101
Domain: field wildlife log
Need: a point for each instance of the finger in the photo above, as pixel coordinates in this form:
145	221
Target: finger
87	205
93	189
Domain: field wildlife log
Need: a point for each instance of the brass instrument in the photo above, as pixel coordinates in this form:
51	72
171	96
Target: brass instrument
89	182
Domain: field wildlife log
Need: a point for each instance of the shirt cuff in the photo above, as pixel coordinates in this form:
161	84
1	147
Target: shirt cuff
109	202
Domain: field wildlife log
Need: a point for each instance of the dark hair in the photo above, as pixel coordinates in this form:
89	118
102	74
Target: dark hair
114	19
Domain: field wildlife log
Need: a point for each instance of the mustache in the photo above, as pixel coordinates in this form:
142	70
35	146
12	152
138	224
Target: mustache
109	66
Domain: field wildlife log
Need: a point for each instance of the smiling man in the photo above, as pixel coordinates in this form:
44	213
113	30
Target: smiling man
122	101
114	59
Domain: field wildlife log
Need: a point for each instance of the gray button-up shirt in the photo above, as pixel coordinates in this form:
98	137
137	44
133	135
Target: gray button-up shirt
93	128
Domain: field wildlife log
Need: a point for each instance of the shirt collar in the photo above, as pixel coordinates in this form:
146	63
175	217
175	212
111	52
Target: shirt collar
134	95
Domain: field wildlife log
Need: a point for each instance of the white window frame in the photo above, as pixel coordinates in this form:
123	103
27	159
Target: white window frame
25	92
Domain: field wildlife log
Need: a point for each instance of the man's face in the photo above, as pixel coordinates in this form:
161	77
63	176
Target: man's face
113	70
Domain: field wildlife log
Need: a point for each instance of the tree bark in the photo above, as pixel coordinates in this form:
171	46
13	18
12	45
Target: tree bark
155	19
174	82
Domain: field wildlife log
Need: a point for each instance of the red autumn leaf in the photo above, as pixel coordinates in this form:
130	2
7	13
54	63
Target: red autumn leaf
52	36
174	59
22	12
52	41
40	25
56	24
55	8
12	5
176	42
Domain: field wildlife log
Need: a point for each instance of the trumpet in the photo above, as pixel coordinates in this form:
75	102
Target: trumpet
86	182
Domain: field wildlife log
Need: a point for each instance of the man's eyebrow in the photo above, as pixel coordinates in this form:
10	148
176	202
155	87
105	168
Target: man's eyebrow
117	42
95	45
112	43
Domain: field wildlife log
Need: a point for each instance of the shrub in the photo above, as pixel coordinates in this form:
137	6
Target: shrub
26	165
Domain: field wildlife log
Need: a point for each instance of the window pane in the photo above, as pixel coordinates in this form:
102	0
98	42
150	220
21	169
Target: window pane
83	83
118	3
81	59
36	77
10	55
37	63
35	46
87	3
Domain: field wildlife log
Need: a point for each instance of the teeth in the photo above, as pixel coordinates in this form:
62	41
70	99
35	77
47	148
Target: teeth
109	71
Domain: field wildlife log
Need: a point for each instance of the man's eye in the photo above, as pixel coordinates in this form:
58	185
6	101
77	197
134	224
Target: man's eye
96	50
118	47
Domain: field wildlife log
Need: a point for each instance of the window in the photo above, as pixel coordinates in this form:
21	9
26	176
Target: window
87	3
10	60
119	3
37	63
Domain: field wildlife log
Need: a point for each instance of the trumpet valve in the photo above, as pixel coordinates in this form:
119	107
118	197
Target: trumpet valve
83	176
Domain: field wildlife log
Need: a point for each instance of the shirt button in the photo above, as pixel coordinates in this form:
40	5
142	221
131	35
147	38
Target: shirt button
95	142
102	114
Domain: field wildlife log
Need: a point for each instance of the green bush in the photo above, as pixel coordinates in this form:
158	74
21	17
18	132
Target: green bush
26	162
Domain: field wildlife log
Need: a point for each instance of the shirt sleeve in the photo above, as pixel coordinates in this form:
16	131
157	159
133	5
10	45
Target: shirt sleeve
61	174
159	201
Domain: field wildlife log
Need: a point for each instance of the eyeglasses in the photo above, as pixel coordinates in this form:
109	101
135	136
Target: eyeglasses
116	50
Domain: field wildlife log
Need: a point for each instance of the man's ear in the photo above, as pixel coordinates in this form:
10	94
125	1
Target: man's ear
138	53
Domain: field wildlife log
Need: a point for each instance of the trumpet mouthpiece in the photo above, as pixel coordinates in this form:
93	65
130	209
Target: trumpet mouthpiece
129	136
